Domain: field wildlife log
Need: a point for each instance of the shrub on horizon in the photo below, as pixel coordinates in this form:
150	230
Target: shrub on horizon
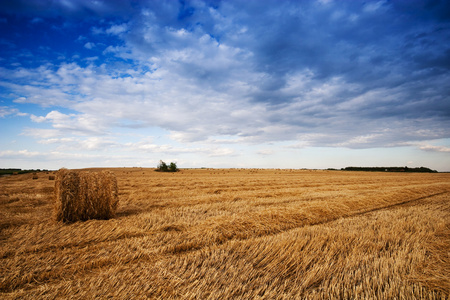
163	167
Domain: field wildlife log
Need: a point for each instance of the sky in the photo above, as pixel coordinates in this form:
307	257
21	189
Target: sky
234	84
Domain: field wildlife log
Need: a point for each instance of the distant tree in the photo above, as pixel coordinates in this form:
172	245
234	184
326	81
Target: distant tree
163	167
390	169
173	167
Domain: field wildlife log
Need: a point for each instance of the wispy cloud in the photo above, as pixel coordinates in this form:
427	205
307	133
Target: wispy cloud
150	147
18	153
89	45
117	29
434	148
5	111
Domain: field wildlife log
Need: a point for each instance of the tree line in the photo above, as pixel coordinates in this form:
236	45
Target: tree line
390	169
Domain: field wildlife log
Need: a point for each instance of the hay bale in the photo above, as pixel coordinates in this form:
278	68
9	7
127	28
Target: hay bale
35	176
85	195
51	177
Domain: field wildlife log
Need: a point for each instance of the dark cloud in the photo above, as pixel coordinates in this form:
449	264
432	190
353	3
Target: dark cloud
372	44
424	10
68	9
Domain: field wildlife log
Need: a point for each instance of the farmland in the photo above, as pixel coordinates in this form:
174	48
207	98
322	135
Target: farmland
233	233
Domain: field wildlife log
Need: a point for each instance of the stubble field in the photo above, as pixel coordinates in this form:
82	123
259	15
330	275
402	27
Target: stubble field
242	234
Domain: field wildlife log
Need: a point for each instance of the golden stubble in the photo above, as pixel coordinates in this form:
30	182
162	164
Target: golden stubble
233	233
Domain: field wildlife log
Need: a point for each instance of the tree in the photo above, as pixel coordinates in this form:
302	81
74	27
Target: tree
162	167
173	167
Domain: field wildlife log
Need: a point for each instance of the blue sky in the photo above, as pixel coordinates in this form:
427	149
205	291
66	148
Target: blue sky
267	84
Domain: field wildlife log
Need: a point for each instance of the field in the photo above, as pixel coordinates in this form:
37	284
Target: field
230	233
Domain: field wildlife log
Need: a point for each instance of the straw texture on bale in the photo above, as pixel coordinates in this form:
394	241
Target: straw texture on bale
85	195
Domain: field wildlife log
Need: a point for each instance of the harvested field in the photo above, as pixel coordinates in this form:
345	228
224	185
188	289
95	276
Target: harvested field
244	234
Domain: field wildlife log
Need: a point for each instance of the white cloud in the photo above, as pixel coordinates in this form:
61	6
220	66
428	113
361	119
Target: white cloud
80	144
214	152
149	146
194	110
373	6
434	148
266	152
361	140
89	45
39	133
117	29
5	111
80	124
97	30
68	124
37	119
91	59
56	140
18	153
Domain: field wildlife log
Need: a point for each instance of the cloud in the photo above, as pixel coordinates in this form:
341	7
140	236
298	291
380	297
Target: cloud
150	147
36	20
69	9
313	73
40	133
35	159
360	140
6	111
19	153
89	45
266	152
195	112
73	123
117	29
81	144
434	148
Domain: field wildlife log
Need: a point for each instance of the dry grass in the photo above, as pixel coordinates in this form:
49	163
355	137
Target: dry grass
81	196
245	234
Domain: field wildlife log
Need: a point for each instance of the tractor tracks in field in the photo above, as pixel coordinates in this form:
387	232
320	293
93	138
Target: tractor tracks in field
245	229
406	203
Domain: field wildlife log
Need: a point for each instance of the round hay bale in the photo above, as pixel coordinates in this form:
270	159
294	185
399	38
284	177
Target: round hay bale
81	196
